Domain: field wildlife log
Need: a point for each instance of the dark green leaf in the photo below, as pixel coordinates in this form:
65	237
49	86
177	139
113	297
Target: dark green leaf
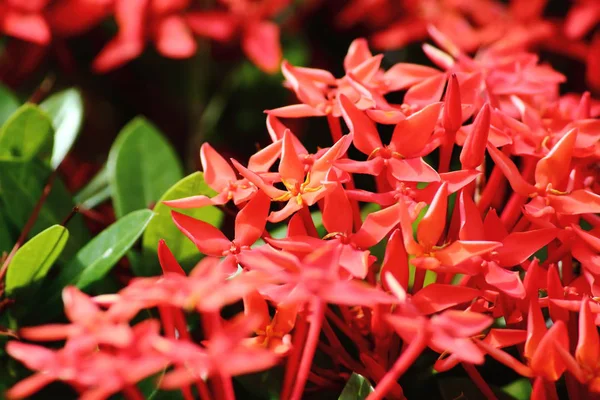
31	262
26	134
66	111
98	257
6	239
162	226
8	104
142	165
357	388
264	385
21	186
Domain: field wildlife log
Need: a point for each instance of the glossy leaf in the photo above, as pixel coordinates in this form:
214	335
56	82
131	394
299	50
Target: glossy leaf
32	262
26	134
357	388
97	258
21	186
142	165
66	111
95	192
8	104
162	227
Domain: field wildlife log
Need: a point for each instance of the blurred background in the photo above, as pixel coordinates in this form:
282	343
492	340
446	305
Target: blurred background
216	95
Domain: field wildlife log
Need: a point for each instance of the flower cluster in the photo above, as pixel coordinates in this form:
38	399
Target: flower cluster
171	25
484	199
501	28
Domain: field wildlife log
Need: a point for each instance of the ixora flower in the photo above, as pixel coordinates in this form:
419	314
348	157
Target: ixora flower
365	84
462	222
162	22
25	20
248	19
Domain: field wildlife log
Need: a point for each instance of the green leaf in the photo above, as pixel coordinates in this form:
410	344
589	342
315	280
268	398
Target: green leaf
66	111
142	165
95	192
519	389
162	226
32	261
26	134
6	239
8	104
357	388
98	257
21	186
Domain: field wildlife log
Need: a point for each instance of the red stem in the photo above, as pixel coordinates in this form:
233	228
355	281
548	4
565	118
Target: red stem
512	211
574	388
419	280
310	347
335	128
212	325
411	353
479	381
446	152
522	225
300	332
490	189
131	392
309	224
335	343
360	342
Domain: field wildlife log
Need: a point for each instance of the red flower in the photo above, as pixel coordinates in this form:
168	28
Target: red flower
250	21
97	374
220	177
402	157
303	188
87	321
249	226
318	90
25	20
143	20
428	254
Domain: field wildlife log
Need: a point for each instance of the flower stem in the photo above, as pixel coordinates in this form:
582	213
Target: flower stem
309	349
132	393
336	134
446	152
419	280
490	189
479	381
512	211
309	224
334	127
300	332
402	364
360	342
212	325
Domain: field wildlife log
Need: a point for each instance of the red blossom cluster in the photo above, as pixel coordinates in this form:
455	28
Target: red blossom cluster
488	183
471	24
171	25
